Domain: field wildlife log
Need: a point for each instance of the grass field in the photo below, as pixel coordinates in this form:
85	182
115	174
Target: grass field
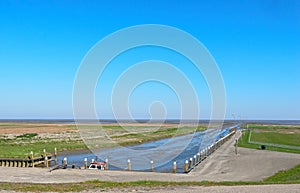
272	134
291	176
18	139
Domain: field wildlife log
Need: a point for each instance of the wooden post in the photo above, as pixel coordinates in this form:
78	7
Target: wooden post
55	155
46	161
174	167
199	159
45	154
236	143
195	160
65	161
106	164
128	165
191	163
186	166
31	157
85	163
152	166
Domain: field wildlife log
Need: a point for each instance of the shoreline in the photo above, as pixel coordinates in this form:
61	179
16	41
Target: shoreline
223	165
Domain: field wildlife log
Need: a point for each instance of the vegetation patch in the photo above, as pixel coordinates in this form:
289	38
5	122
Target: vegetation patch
36	137
274	137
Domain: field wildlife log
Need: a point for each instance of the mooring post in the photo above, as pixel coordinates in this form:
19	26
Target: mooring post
195	160
152	165
128	165
174	167
236	143
191	163
199	159
31	157
65	162
55	155
85	163
46	161
106	164
186	166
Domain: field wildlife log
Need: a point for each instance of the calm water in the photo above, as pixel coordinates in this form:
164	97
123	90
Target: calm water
164	153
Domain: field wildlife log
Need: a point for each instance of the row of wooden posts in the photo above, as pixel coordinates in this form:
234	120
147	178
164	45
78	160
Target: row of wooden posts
192	162
32	161
46	158
189	164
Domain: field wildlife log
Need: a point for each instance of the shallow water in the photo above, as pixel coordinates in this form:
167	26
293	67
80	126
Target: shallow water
162	152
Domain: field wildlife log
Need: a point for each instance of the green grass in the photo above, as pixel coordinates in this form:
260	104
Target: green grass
21	145
277	138
287	176
273	127
272	134
104	186
22	150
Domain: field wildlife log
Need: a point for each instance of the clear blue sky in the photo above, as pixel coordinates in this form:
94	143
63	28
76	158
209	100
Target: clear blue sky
256	44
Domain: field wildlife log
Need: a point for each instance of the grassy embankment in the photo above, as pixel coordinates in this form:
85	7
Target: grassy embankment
21	138
281	136
291	176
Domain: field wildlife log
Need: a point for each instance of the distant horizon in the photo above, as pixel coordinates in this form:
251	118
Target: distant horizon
68	119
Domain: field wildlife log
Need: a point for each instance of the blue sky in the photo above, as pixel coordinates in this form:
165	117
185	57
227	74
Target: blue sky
255	43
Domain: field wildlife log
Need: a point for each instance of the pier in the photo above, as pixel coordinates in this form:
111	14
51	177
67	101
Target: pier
31	161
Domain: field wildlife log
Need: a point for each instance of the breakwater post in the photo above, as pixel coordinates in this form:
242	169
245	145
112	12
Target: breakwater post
55	156
106	164
152	165
128	165
174	167
65	162
85	163
186	166
31	157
